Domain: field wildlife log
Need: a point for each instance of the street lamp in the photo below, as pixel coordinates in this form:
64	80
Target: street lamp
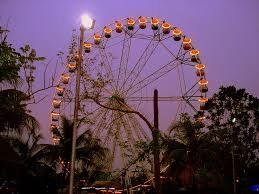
233	157
86	24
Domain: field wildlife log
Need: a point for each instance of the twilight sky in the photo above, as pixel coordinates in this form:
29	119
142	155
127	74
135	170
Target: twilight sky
225	32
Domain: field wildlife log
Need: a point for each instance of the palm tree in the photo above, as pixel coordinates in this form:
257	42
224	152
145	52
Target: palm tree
32	154
14	116
191	155
33	159
181	148
89	151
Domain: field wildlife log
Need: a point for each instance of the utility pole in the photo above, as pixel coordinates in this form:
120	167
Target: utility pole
156	151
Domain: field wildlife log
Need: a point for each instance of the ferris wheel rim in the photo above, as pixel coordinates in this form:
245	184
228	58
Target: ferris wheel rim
151	40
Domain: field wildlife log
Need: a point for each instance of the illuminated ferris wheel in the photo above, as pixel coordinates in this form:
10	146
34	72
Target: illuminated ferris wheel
123	63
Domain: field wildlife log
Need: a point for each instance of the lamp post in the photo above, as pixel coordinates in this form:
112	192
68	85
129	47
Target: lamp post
86	23
233	158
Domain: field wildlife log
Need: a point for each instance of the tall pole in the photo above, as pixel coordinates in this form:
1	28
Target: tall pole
76	109
233	155
233	169
233	160
156	151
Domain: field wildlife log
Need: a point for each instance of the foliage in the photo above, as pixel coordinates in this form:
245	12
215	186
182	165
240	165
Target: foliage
232	121
11	61
89	151
31	153
185	130
33	163
14	115
9	69
189	156
17	126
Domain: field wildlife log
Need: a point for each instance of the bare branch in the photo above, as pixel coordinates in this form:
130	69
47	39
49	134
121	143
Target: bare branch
42	89
151	127
36	102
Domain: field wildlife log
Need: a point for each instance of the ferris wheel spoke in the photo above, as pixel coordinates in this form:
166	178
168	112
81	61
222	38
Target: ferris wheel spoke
189	91
115	43
186	63
147	98
127	128
113	149
166	37
168	50
180	54
120	140
88	79
110	125
183	77
138	128
162	71
125	53
180	78
106	62
137	132
142	61
153	77
102	122
191	105
193	95
130	32
85	111
112	38
174	119
143	36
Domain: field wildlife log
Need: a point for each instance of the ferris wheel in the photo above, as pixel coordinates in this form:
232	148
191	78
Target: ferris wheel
123	63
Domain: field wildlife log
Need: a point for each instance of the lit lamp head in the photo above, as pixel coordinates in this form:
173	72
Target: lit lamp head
234	120
87	22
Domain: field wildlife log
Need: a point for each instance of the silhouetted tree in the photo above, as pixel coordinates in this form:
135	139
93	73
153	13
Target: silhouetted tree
233	124
89	151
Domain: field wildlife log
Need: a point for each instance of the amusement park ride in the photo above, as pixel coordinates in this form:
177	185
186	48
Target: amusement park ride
121	66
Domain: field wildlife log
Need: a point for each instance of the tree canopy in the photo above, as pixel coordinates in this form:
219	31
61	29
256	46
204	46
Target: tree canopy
233	119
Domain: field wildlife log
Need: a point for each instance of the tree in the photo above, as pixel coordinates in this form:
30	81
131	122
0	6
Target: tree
16	65
9	69
233	123
17	126
182	147
89	151
190	157
14	116
33	164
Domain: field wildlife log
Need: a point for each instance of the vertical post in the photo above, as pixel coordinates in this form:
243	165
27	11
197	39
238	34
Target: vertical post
77	104
233	170
233	155
156	151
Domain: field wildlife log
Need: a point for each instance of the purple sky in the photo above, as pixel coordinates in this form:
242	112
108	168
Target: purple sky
225	31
